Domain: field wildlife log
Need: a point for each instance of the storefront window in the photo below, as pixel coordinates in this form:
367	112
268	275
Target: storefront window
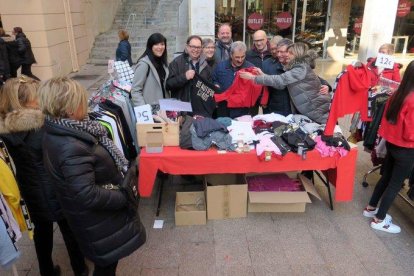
311	19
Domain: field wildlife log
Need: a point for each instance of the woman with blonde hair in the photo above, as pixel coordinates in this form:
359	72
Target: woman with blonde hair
22	130
303	84
123	52
87	170
387	73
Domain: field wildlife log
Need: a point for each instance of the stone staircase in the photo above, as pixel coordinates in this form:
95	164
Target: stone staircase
150	16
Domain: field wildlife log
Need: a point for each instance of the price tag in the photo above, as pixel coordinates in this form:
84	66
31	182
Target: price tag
110	66
143	114
385	61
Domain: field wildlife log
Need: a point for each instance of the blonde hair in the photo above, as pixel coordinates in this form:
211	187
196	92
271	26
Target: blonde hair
387	46
123	35
60	97
298	49
16	93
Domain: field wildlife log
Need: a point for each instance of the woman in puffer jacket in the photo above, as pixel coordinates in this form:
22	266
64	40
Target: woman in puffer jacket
87	170
303	84
22	130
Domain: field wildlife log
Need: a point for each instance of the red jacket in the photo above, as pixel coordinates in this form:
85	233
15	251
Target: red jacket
391	74
402	133
243	92
350	95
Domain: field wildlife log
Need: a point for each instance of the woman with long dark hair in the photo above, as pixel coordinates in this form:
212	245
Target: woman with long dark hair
151	72
397	128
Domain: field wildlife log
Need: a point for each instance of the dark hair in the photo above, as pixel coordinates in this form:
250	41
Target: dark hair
191	37
397	99
153	39
18	30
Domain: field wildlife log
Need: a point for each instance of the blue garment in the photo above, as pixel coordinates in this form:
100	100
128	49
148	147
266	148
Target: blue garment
279	100
8	252
224	74
123	52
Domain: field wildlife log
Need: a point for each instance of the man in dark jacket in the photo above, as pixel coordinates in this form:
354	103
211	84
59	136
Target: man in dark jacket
24	48
260	51
279	100
223	43
12	54
225	71
184	70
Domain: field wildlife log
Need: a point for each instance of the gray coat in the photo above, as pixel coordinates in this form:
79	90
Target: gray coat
146	85
303	85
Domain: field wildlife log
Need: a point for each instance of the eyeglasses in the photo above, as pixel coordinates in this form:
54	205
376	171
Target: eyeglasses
194	47
210	47
258	40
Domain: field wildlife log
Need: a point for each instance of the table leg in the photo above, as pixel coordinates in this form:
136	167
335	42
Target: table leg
327	184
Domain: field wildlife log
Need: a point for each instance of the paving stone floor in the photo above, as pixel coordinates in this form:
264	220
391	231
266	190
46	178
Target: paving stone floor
317	242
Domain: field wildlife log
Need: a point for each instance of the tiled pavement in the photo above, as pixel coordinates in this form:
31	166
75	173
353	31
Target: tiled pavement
317	242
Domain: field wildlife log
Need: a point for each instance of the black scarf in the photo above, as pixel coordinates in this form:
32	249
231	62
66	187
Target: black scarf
159	66
95	129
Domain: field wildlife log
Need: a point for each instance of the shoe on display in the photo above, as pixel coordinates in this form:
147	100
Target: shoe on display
386	225
369	213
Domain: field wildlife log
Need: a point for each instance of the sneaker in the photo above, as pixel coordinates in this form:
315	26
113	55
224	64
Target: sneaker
369	213
386	225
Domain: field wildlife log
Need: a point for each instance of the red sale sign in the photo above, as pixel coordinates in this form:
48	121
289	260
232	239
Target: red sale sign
255	21
283	20
404	8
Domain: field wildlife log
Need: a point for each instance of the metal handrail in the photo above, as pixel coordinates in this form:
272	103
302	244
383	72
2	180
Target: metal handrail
133	16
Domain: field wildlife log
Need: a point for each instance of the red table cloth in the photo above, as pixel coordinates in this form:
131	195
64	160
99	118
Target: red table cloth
173	160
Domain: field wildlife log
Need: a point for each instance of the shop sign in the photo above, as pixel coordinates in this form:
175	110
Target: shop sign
255	21
358	25
404	8
284	20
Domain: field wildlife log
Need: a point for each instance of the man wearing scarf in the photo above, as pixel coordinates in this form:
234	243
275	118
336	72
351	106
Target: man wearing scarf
223	43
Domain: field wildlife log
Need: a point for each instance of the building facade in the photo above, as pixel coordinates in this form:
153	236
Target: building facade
62	32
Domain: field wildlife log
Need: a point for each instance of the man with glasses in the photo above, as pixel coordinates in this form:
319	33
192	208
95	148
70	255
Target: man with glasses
260	51
279	100
184	70
225	71
223	43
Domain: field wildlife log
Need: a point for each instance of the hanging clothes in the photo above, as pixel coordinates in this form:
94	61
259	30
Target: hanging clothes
350	95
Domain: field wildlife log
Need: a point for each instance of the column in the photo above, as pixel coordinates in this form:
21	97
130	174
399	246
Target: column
377	26
336	35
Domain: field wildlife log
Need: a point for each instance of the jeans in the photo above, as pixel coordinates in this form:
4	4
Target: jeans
43	240
109	270
397	166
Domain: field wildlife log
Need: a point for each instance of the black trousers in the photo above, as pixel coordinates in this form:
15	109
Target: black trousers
27	70
43	240
396	168
109	270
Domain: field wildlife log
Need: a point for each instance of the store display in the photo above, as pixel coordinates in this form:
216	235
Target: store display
311	23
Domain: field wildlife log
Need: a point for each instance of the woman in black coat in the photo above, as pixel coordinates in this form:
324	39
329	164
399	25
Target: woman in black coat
123	52
21	128
24	48
87	168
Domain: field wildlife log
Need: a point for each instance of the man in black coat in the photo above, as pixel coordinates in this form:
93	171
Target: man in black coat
184	71
260	51
24	48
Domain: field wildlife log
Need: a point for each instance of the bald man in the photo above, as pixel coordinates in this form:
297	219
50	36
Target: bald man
260	51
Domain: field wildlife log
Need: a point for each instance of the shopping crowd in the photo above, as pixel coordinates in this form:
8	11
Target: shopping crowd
75	166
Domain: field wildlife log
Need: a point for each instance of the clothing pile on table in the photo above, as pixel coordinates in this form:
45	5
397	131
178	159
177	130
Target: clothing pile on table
14	216
270	135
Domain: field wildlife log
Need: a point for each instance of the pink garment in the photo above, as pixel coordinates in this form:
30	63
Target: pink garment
266	144
245	118
330	151
273	182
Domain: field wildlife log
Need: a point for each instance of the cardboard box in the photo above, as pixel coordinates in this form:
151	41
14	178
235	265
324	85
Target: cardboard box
154	142
282	201
169	132
226	196
190	208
